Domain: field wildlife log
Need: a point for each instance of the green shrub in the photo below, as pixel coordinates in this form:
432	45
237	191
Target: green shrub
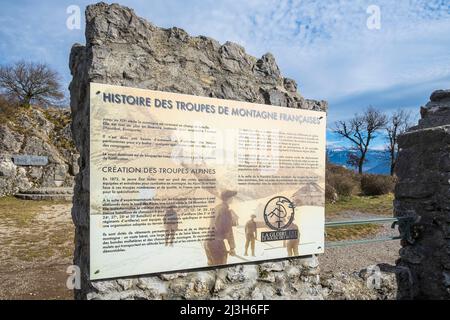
375	184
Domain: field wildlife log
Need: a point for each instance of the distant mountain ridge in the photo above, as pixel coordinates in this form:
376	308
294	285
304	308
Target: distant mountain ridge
377	160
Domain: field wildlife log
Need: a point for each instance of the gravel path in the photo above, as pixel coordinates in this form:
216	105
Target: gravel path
356	257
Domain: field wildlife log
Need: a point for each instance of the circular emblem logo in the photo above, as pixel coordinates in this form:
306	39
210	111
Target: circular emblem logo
279	213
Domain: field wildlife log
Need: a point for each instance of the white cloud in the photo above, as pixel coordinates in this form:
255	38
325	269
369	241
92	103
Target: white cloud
324	45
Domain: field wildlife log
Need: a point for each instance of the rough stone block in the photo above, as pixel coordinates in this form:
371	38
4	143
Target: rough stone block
423	192
123	49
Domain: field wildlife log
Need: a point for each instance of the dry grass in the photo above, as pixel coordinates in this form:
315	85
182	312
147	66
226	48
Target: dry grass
8	111
352	232
34	231
19	212
37	246
379	205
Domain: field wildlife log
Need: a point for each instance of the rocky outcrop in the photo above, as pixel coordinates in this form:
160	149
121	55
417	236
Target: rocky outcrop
423	194
39	132
437	111
123	49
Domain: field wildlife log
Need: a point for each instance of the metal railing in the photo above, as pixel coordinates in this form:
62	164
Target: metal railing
334	224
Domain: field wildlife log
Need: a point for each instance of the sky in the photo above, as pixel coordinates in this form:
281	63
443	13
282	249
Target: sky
387	54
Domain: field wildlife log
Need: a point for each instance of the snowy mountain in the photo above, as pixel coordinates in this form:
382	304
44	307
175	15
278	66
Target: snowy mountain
377	160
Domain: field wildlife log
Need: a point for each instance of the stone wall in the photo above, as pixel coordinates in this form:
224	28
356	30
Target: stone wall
123	49
423	194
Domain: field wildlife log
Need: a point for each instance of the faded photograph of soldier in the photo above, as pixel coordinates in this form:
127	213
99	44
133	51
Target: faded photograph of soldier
223	222
250	235
170	221
292	244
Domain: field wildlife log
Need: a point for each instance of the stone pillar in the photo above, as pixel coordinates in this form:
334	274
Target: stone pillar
423	194
123	49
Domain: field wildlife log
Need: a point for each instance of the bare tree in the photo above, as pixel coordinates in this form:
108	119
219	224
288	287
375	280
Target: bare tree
353	160
30	82
360	131
397	124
